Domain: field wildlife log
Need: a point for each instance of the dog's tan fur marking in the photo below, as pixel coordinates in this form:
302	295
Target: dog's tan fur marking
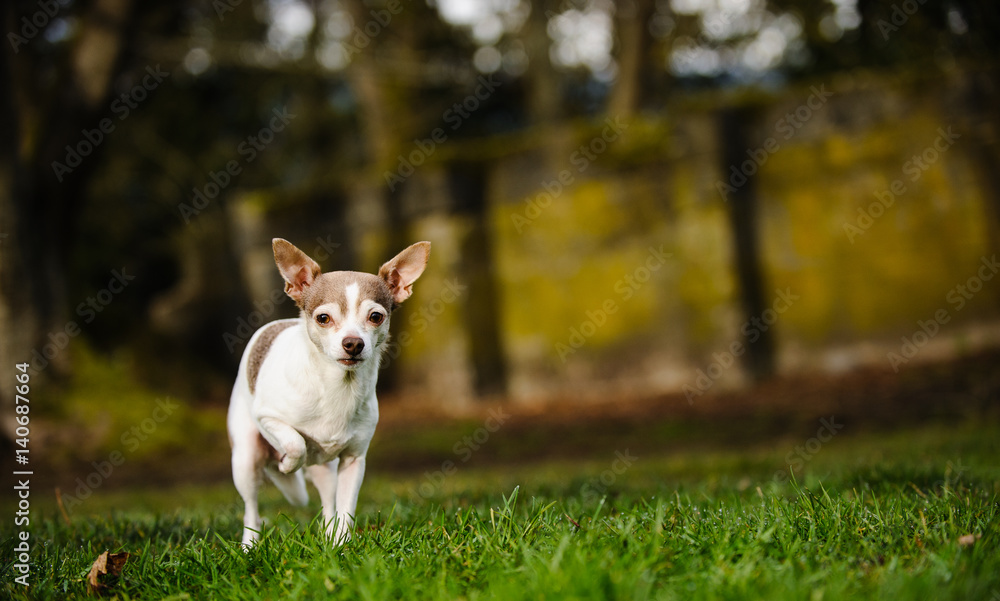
329	287
266	451
260	348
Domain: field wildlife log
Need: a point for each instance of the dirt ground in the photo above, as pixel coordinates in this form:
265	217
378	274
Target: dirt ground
870	398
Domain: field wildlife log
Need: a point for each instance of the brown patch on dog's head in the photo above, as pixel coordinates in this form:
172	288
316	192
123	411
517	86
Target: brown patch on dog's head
330	288
309	287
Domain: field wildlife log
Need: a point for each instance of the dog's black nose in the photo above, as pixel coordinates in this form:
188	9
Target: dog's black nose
353	346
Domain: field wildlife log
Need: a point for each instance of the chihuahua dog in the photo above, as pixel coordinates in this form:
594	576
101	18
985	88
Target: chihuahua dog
304	399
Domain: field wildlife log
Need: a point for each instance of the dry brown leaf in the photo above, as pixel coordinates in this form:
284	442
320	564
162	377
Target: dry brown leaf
107	566
968	539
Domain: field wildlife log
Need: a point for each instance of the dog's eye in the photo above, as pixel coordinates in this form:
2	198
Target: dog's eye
376	318
322	319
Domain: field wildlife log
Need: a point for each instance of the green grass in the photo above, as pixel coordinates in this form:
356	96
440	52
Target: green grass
874	515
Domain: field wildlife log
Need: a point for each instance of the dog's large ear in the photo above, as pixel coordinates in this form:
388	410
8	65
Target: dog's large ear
402	270
296	268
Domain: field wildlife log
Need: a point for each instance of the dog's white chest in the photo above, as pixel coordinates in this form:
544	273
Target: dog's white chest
330	435
330	422
333	415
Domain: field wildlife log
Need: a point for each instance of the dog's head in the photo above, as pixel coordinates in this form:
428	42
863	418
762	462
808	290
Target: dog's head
347	312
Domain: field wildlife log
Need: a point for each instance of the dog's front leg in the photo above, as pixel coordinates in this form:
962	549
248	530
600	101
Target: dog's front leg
287	441
324	477
350	473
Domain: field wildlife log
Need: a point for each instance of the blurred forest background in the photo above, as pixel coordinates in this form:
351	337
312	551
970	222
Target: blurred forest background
626	199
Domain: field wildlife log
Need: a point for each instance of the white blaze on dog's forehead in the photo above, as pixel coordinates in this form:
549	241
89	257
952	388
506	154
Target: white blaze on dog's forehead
352	292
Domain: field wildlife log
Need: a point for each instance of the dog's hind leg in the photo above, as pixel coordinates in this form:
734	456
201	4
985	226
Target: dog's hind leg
247	478
293	485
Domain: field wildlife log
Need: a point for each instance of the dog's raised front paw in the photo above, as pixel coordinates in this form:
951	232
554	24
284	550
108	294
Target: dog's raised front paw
289	463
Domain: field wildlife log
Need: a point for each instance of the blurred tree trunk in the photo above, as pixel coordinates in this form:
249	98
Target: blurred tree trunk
49	97
397	237
326	186
735	127
634	43
468	185
544	101
981	122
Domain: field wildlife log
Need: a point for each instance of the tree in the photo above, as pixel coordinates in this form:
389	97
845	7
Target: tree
55	99
468	183
735	125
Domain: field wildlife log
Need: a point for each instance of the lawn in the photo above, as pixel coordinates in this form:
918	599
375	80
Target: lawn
877	514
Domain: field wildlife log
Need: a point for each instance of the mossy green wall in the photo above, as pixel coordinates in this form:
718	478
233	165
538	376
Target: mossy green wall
564	253
866	270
